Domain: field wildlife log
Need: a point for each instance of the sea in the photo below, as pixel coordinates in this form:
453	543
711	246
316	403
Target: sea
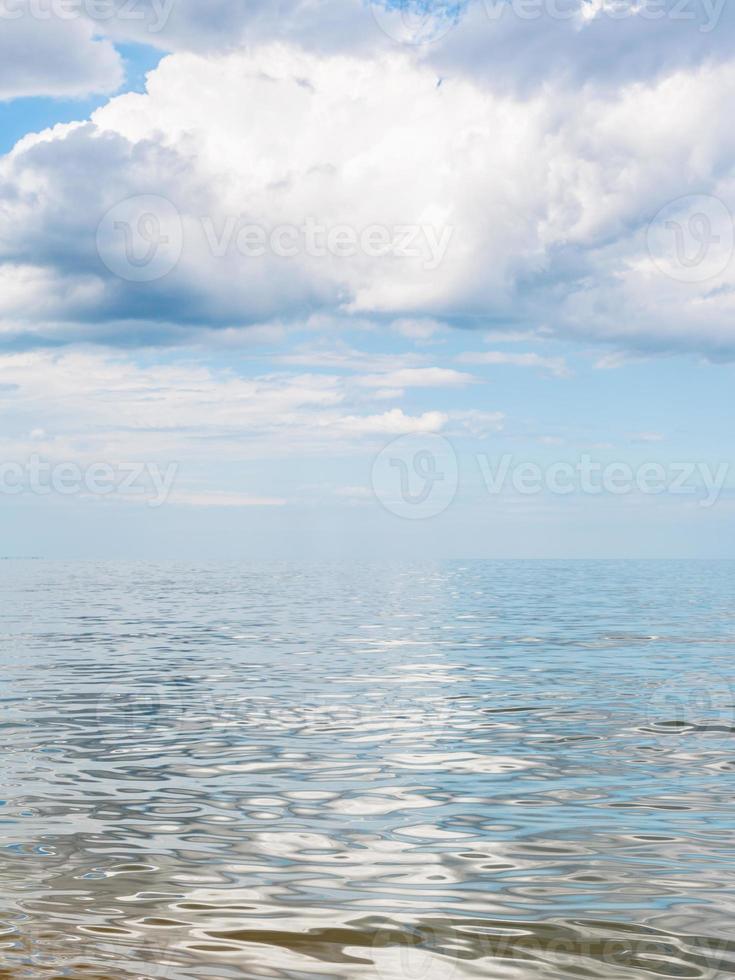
419	771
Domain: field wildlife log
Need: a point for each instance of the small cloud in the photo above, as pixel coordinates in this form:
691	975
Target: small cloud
611	362
479	423
346	358
647	437
513	336
220	498
551	441
394	422
254	335
554	365
354	493
419	330
429	377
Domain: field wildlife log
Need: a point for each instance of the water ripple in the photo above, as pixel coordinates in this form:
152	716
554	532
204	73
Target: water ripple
469	769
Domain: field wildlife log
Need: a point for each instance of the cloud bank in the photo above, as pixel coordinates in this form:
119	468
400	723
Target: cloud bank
274	183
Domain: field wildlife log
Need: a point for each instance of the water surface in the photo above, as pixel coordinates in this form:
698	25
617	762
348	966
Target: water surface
471	769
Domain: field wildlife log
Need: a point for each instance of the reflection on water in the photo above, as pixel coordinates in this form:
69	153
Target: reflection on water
478	769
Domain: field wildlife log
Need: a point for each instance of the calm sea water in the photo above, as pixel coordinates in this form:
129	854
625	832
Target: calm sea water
471	769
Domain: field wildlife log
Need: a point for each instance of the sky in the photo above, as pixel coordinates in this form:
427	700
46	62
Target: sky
342	279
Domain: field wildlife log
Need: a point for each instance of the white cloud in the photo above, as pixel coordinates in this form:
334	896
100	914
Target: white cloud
613	360
547	197
394	422
478	423
647	437
428	377
578	43
355	493
91	406
221	498
211	25
55	57
420	331
554	365
344	358
512	45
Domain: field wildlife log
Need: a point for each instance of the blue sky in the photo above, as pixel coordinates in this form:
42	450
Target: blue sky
19	116
299	283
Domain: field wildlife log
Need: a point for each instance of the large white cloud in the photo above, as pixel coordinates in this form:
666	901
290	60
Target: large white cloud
510	42
536	206
48	47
